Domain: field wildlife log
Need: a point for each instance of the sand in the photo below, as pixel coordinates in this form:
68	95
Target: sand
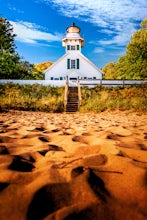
73	166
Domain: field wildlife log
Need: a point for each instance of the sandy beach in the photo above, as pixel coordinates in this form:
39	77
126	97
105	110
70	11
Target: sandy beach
73	166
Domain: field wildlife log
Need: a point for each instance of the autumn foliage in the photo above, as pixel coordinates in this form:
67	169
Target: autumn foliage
43	66
133	65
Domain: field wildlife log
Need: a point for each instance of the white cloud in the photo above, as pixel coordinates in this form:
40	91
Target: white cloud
98	50
121	38
113	16
31	33
107	31
12	8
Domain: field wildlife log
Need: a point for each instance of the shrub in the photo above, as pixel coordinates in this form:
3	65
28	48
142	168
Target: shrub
51	99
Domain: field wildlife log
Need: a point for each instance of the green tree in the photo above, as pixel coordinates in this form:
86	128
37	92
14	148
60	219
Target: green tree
6	36
144	23
109	70
11	65
134	64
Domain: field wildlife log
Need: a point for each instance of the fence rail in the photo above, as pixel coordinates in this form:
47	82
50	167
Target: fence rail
112	82
85	82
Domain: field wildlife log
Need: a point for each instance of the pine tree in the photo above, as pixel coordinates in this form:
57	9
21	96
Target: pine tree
6	36
11	65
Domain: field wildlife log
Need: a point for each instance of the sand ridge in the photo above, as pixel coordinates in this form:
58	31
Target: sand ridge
73	166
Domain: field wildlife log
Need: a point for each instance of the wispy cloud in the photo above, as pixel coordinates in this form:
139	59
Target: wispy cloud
12	8
31	33
112	16
121	38
98	50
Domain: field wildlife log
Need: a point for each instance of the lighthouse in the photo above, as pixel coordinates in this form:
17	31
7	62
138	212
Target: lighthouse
73	41
73	64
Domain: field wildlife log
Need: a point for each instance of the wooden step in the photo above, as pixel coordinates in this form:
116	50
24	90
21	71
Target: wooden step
72	100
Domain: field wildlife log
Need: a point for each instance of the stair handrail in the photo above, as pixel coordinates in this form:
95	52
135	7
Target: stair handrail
79	93
66	93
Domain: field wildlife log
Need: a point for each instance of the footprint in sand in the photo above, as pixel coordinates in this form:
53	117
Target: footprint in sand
7	139
94	181
51	147
59	197
98	186
142	146
112	136
3	150
3	185
56	130
49	199
44	138
39	129
95	160
86	134
77	171
80	139
20	164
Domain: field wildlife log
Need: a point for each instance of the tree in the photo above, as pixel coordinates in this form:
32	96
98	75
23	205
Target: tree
134	64
8	65
6	36
11	65
144	24
109	71
43	66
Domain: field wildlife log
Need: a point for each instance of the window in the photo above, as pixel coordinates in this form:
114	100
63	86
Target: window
78	47
61	78
73	64
68	47
68	63
94	77
78	64
52	78
73	78
73	48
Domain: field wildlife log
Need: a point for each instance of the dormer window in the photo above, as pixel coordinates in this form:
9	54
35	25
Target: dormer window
73	48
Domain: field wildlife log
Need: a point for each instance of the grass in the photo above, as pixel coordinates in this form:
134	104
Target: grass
51	99
31	97
99	99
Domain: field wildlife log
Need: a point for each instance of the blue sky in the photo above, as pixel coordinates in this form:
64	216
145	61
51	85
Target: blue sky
106	26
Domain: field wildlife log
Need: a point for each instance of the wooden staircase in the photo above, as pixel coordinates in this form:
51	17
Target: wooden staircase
72	100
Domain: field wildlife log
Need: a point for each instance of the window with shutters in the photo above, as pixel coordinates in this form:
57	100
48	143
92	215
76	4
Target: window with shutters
68	47
73	64
78	47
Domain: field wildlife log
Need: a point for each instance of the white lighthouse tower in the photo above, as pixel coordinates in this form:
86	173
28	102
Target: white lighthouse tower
73	40
73	65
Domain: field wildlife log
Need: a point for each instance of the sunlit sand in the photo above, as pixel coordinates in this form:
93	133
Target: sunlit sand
73	166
